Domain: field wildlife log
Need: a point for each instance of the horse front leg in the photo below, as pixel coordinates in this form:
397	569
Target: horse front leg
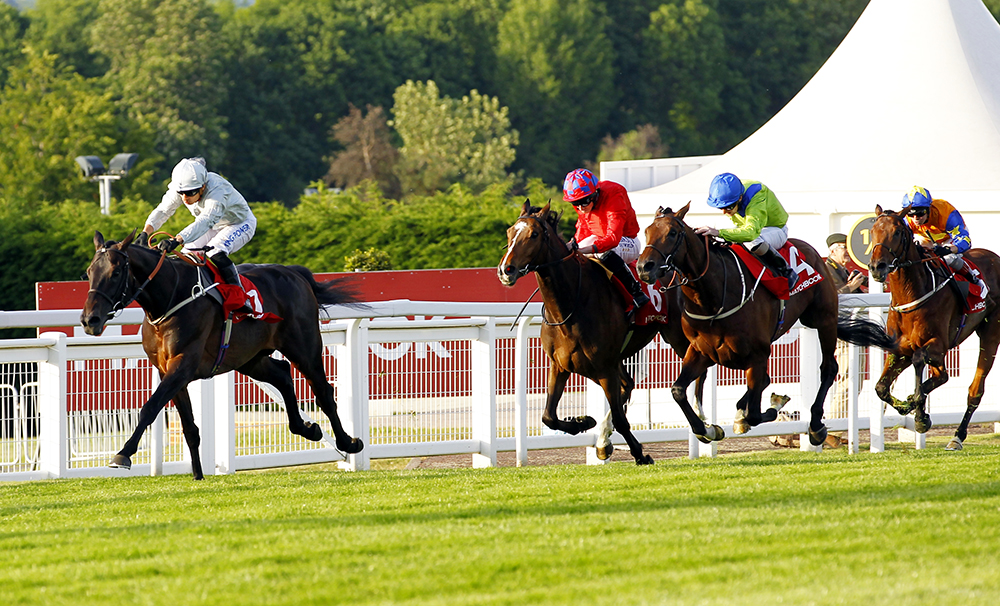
606	426
613	392
557	383
937	376
894	365
693	367
757	382
179	374
182	402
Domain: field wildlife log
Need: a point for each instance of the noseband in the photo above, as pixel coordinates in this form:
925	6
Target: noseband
124	300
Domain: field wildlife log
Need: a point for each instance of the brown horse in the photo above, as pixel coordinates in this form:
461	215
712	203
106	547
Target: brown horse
584	328
731	327
185	345
929	318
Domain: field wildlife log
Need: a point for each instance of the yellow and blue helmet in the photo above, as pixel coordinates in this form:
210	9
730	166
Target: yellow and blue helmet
917	197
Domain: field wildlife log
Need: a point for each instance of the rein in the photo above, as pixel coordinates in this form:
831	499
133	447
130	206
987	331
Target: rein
122	303
895	265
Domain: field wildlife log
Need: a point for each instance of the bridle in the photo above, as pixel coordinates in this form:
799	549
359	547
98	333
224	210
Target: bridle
126	283
529	267
668	262
896	263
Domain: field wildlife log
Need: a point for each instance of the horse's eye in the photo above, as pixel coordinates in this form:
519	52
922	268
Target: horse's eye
534	235
116	272
84	276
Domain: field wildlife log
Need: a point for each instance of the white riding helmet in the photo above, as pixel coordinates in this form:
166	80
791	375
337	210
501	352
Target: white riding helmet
189	174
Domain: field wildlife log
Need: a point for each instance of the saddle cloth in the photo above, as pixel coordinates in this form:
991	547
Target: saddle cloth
232	297
654	312
975	300
778	285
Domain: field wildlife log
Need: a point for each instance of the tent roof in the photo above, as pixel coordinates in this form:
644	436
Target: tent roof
910	97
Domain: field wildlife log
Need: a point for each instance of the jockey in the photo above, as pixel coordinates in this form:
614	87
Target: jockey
223	219
606	226
938	226
758	217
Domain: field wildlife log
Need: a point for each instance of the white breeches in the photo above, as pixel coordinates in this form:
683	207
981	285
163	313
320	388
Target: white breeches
228	239
628	248
775	237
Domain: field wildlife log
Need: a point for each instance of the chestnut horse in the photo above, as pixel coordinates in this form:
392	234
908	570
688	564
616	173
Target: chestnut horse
185	345
734	328
929	318
584	328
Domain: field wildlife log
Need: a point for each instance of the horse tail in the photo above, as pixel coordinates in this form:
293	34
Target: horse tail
864	332
331	292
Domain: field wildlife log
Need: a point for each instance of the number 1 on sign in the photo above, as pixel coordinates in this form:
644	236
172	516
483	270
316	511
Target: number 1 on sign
867	240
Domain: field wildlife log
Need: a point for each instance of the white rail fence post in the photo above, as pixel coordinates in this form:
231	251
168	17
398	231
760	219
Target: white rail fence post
521	391
225	423
597	407
710	407
352	390
853	385
876	416
156	431
484	394
809	360
53	431
202	395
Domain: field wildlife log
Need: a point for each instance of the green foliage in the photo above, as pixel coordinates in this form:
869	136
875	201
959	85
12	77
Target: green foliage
454	228
448	140
372	259
639	144
556	72
12	27
900	528
164	67
49	115
368	152
64	28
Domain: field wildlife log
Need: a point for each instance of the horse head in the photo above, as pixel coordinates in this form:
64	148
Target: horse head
892	243
532	240
664	239
110	282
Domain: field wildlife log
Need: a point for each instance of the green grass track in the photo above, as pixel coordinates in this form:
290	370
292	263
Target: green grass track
783	527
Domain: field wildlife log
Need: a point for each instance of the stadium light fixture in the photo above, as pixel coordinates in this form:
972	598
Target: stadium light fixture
93	169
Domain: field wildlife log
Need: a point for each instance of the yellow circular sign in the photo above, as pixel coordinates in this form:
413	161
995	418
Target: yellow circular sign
859	240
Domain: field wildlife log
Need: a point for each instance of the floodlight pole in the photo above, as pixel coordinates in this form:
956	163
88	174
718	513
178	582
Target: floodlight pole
104	182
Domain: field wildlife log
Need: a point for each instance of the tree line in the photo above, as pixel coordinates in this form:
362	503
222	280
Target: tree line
420	124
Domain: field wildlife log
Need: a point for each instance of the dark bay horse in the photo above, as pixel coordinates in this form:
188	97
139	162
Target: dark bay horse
730	326
185	345
929	319
584	326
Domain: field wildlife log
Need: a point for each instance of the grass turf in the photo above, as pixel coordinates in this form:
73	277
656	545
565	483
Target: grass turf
902	527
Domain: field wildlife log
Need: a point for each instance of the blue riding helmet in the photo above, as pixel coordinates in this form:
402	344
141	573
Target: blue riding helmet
918	197
726	190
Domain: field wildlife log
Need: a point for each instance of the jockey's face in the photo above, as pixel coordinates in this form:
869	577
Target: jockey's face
919	215
731	209
587	204
192	196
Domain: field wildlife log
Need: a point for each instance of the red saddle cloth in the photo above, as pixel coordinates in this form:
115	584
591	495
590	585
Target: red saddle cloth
233	298
654	312
976	300
778	285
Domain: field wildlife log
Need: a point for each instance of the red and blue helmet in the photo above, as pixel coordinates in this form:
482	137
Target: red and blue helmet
918	197
726	190
579	184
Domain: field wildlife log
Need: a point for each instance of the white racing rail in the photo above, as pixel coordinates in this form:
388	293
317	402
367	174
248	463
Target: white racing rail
412	379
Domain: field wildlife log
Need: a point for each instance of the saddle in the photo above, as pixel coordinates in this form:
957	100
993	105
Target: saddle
970	293
778	285
232	297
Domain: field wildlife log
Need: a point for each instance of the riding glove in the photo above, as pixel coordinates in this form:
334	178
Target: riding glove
167	245
143	239
941	250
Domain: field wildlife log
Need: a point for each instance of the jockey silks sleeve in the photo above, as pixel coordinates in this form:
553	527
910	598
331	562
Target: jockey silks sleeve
762	210
220	206
945	225
611	218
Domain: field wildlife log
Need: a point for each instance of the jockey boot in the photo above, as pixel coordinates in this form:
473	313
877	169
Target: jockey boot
230	274
775	263
613	263
973	276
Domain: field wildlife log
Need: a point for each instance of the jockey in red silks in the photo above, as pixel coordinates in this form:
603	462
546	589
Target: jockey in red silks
759	220
606	226
938	226
223	219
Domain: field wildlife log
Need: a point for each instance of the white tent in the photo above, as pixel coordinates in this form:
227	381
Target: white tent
910	97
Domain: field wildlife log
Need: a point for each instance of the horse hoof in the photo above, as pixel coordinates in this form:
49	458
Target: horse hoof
120	461
199	477
586	423
922	425
644	460
312	431
817	437
954	444
703	439
604	452
353	447
740	427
